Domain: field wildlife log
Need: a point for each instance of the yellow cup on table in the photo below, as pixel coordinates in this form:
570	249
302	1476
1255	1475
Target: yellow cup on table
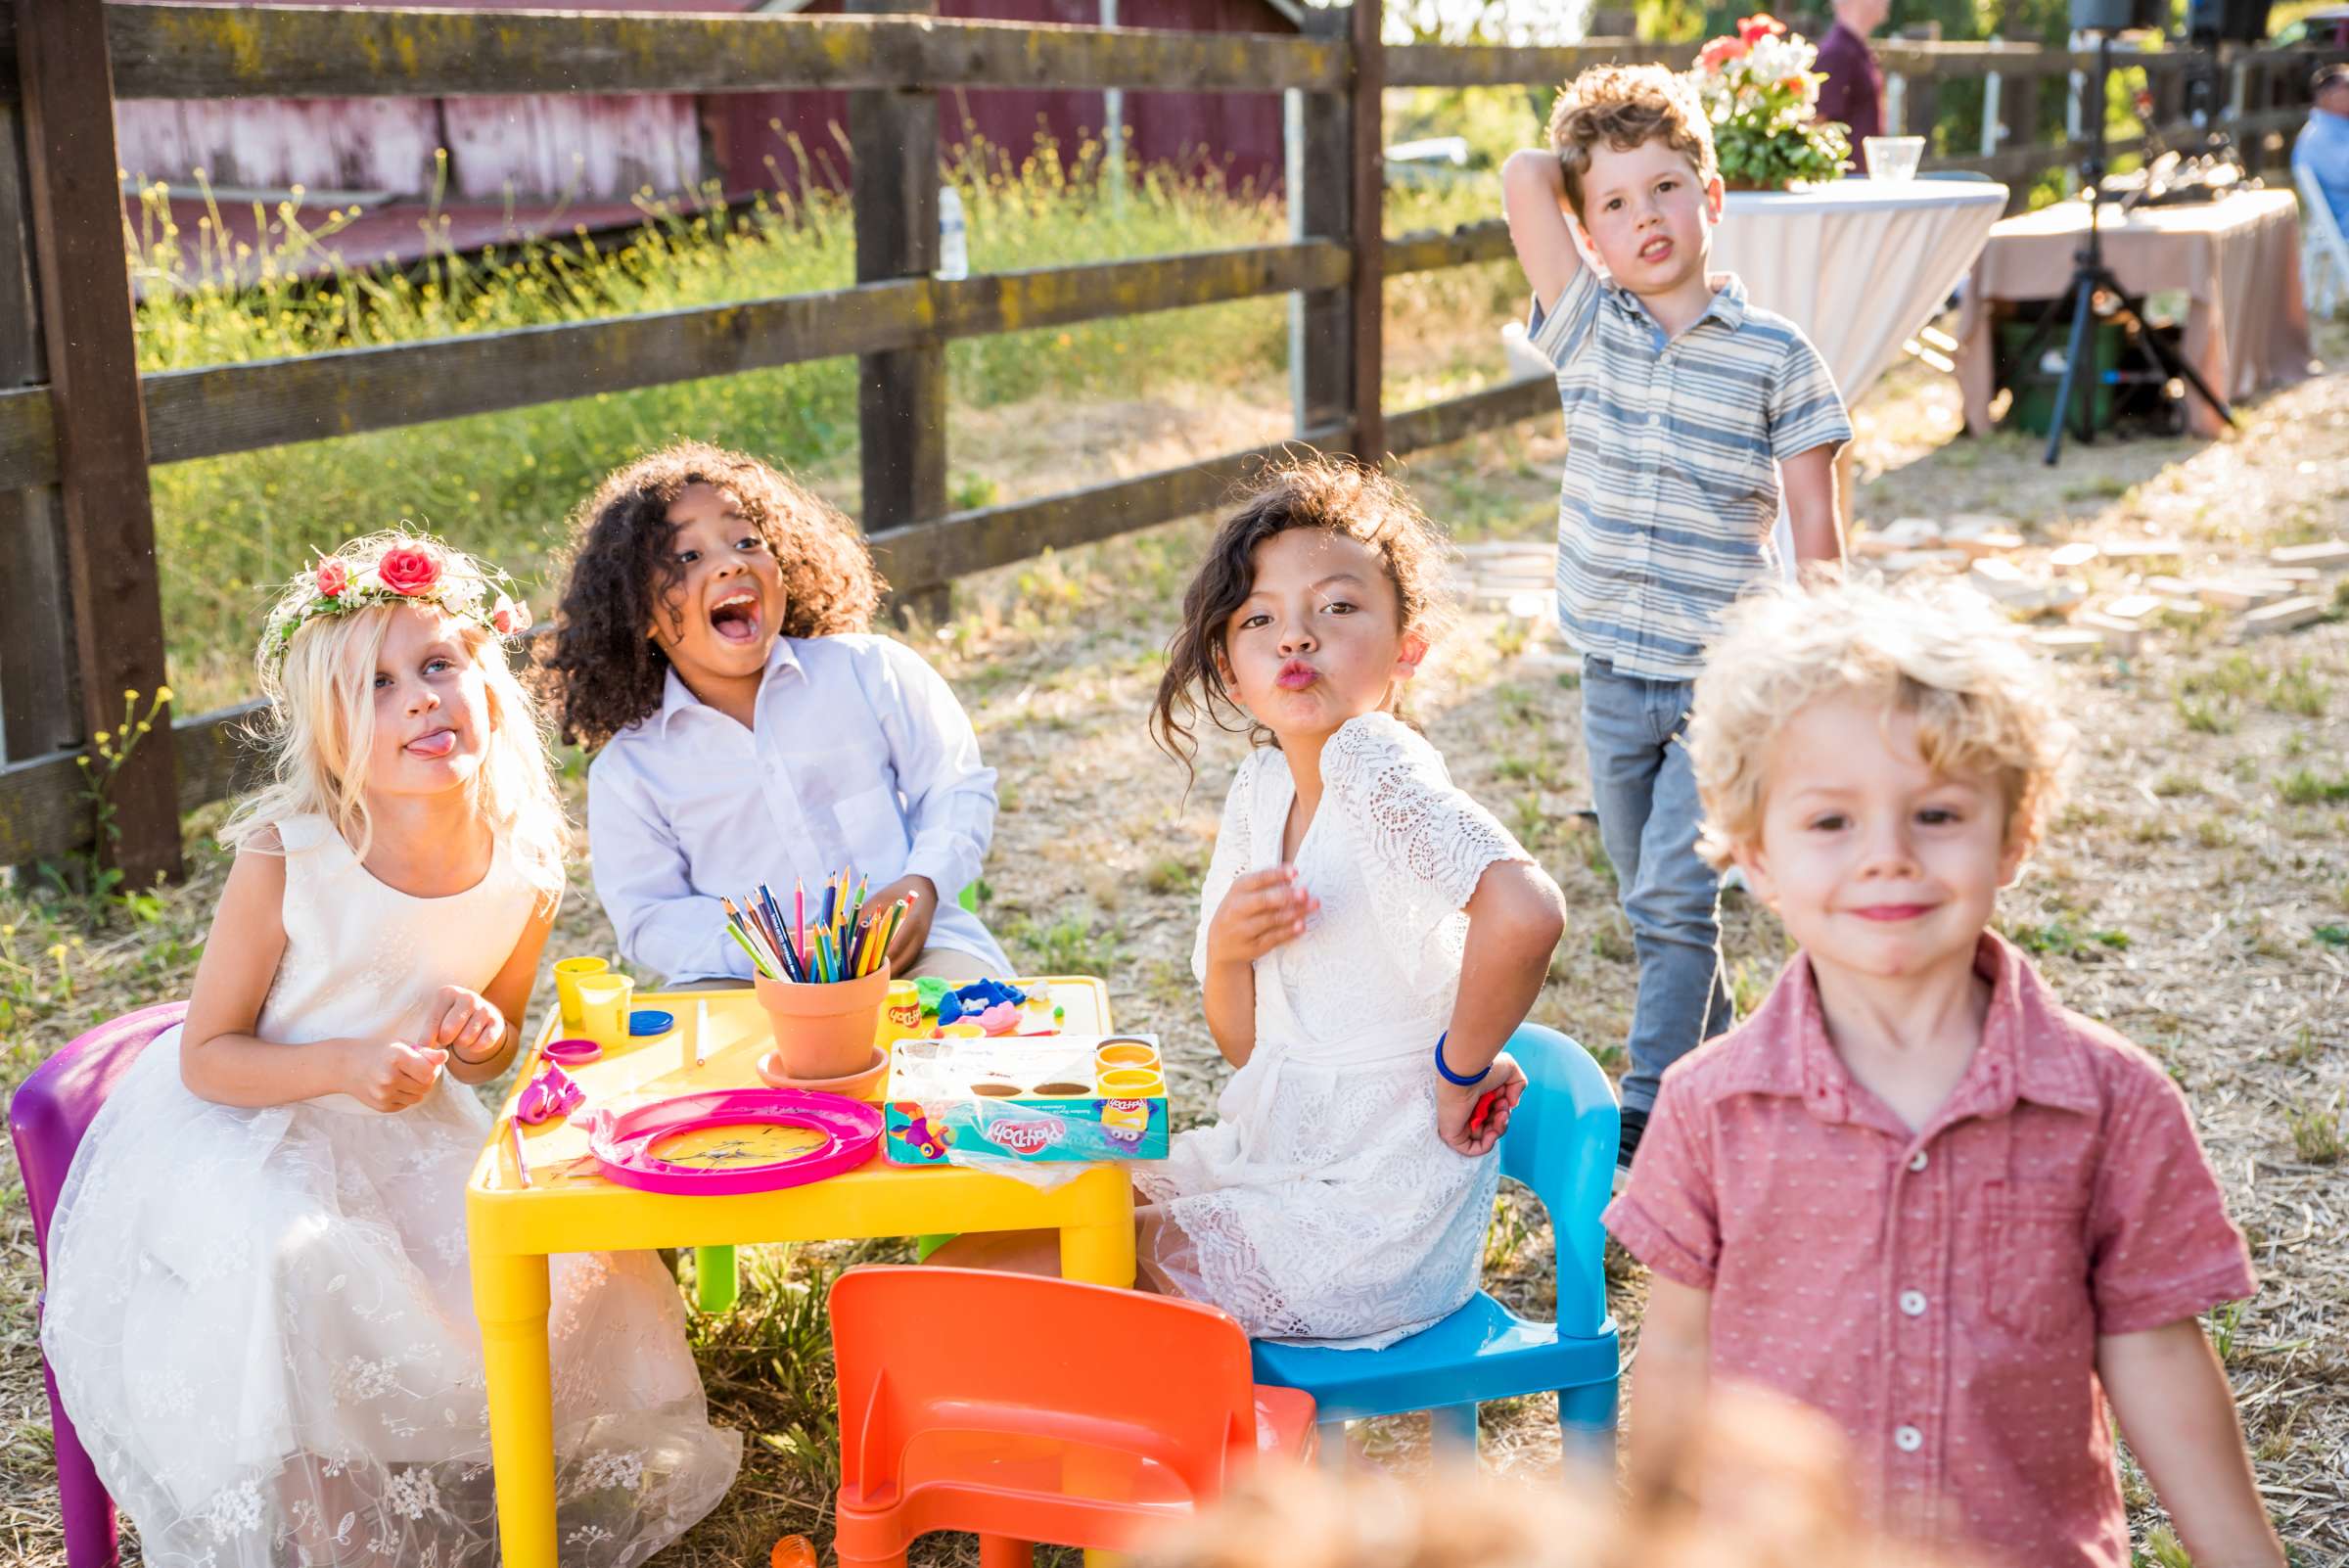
604	1007
567	985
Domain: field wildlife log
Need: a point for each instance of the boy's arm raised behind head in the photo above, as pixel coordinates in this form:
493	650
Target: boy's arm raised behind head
1533	196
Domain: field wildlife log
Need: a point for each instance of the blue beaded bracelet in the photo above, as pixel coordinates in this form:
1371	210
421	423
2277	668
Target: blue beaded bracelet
1450	1076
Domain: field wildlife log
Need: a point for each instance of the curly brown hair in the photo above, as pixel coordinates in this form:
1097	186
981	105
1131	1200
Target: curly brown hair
1625	107
606	673
1333	495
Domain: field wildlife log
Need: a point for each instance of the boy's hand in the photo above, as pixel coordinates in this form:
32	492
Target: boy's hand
1263	911
393	1075
913	927
464	1023
1455	1107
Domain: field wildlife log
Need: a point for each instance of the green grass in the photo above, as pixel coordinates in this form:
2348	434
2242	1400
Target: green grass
229	528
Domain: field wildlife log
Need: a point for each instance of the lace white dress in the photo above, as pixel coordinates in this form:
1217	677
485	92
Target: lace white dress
1322	1207
261	1320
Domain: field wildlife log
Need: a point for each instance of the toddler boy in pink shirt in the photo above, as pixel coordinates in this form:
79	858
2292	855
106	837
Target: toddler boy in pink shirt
1914	1190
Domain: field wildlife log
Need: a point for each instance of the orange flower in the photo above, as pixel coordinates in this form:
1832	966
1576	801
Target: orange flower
1719	51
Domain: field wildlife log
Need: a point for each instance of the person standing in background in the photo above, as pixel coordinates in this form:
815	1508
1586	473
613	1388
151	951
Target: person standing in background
1853	90
2323	145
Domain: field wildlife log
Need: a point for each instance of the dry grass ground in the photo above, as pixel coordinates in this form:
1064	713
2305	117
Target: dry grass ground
2195	891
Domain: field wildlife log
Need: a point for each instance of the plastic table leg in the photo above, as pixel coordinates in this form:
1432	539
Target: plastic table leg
715	1283
510	1297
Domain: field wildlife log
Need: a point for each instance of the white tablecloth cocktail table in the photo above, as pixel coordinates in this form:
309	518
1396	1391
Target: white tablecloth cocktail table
1860	265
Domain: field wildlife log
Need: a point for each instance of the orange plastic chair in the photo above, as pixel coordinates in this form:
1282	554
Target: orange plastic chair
1033	1410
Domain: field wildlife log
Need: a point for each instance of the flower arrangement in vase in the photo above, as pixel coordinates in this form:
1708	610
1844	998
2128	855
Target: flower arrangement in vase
1759	92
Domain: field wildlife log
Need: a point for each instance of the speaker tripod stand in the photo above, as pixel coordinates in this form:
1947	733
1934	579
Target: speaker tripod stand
2091	277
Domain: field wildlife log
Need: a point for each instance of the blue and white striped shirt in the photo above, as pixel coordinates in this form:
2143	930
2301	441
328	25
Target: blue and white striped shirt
1673	445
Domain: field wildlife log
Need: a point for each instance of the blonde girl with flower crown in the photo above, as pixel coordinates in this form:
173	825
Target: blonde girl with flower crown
259	1310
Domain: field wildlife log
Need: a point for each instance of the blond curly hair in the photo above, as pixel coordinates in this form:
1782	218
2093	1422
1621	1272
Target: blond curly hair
1941	654
1625	107
1757	1482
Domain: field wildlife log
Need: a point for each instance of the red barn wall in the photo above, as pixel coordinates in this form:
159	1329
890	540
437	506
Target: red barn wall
1238	133
587	147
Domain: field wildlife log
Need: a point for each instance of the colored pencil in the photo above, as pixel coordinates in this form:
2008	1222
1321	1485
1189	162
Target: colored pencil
735	930
798	911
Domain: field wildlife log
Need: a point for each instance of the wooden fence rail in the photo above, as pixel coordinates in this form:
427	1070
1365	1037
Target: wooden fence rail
80	602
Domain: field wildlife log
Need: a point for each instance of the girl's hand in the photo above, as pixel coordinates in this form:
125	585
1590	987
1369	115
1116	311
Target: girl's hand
1263	911
913	929
393	1075
1455	1107
464	1023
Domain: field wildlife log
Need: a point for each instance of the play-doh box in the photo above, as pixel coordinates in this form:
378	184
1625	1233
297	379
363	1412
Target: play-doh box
1063	1097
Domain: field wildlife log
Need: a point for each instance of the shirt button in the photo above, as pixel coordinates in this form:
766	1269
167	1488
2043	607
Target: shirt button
1912	1302
1917	1160
1908	1439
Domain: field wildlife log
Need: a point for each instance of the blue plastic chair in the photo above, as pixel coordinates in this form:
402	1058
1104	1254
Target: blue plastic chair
1560	1143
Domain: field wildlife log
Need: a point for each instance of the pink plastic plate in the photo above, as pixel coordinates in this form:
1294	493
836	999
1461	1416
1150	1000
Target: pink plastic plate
623	1142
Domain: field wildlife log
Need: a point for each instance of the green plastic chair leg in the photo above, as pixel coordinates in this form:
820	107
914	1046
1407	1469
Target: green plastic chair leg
713	1278
924	1246
968	898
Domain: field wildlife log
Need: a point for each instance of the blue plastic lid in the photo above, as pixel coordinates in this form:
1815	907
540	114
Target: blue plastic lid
651	1021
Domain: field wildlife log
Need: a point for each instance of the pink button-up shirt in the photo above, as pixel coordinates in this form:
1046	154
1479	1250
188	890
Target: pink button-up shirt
1940	1292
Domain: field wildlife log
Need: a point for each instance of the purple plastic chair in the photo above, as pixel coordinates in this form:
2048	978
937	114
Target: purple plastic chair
46	1117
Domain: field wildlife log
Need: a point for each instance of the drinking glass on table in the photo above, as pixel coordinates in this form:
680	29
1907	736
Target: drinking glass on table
1892	158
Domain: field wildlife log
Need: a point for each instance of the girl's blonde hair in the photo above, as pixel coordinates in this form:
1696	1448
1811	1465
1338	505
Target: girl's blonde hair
1943	655
319	730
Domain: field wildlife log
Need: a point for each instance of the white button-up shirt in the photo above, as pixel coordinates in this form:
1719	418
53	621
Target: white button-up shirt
858	755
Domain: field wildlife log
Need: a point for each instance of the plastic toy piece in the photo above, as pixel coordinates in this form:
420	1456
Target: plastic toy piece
552	1094
1484	1109
792	1552
1002	1019
651	1021
571	1052
623	1142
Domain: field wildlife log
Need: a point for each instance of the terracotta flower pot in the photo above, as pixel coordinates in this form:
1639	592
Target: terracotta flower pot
824	1031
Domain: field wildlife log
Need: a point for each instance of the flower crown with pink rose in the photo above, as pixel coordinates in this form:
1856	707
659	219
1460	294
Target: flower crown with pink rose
391	568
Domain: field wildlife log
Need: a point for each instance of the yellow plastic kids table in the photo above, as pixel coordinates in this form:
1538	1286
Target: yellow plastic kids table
567	1207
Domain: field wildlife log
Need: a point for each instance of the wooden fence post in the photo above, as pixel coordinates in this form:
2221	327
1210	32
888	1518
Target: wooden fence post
901	393
1320	199
40	707
101	422
2018	108
1369	128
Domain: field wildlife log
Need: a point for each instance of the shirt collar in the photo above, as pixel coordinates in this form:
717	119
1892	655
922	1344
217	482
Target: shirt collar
678	698
2029	1051
1727	306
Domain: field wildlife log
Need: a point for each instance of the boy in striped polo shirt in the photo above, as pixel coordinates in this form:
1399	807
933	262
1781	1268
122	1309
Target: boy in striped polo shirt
1685	405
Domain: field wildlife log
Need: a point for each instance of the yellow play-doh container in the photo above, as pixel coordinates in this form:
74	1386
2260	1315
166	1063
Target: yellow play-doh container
902	1012
1126	1053
604	1007
567	985
1132	1082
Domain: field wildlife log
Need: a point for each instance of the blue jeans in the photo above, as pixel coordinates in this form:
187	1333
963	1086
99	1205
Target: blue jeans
1647	818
